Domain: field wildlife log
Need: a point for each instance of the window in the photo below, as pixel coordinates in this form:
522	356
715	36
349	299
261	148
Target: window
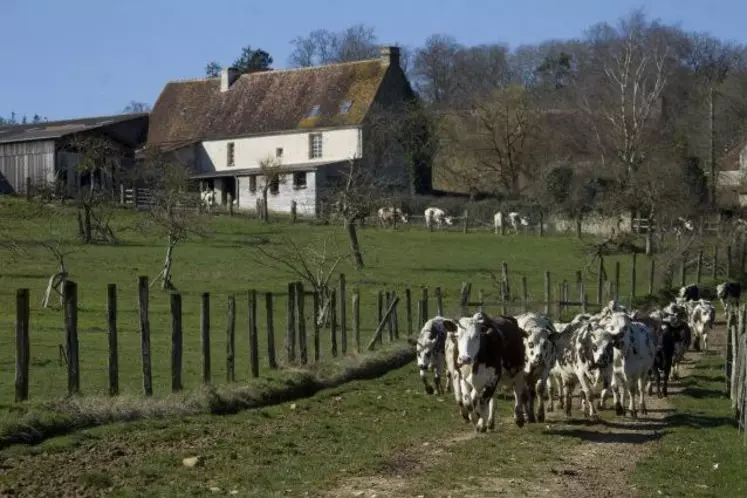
345	107
315	146
299	180
279	152
314	112
229	154
253	183
275	185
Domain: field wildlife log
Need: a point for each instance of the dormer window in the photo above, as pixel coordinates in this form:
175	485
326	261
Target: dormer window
314	112
345	107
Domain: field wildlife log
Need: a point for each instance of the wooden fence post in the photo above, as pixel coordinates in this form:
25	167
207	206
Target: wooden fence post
303	348
380	306
293	211
388	300
504	276
425	307
135	199
651	277
176	342
252	333
343	316
714	273
600	279
582	297
142	285
439	302
229	204
547	292
683	270
632	279
70	307
464	298
408	311
290	326
524	294
22	345
699	267
504	297
205	336
272	361
315	324
617	281
231	340
356	320
333	321
541	224
111	315
466	221
730	319
395	318
382	324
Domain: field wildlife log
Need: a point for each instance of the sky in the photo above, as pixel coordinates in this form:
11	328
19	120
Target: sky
75	58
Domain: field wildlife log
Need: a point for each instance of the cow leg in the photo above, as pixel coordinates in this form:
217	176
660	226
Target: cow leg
605	392
618	395
642	394
541	389
520	398
530	393
549	390
632	388
568	390
705	341
667	371
486	407
424	378
561	392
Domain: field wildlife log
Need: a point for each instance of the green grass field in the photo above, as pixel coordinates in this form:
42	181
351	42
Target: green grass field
223	264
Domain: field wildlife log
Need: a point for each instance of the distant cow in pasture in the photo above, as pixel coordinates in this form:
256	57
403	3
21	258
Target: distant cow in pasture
388	216
437	216
207	198
682	226
516	220
498	222
729	293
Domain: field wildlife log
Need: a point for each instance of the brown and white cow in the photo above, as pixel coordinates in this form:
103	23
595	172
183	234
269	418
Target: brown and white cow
490	350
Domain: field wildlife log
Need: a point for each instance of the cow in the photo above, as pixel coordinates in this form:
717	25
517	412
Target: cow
540	355
438	216
491	350
453	372
207	198
628	346
516	219
681	226
498	222
701	318
689	293
389	216
729	294
430	348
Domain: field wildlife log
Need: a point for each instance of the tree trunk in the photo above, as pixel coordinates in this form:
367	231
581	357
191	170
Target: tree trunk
578	226
355	247
265	211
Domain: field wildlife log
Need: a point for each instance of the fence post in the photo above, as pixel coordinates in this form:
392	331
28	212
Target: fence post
111	315
617	281
504	297
356	319
408	305
379	306
729	350
699	267
290	326
466	221
504	275
715	262
728	262
343	316
134	196
303	348
229	203
582	297
231	340
394	318
70	307
22	345
547	292
421	313
632	279
541	224
272	361
176	342
293	211
252	334
524	294
683	270
122	194
388	300
205	336
425	307
333	321
142	292
464	298
600	279
380	327
439	302
651	277
317	346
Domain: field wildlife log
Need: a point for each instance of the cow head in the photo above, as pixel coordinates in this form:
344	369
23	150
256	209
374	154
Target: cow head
606	336
539	344
675	314
433	334
449	220
704	315
470	337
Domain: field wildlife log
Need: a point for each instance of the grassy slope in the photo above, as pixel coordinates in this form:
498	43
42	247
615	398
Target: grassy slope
701	433
222	265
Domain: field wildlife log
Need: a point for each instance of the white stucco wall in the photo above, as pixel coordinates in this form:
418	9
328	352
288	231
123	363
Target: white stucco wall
281	202
337	145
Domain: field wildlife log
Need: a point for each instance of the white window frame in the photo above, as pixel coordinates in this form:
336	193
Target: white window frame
316	147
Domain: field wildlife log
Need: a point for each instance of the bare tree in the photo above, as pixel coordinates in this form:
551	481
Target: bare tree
357	42
314	260
172	211
135	107
273	176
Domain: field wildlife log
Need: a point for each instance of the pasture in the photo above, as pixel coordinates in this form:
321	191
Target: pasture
224	264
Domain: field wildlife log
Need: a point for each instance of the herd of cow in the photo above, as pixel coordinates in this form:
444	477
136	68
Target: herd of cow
390	216
628	351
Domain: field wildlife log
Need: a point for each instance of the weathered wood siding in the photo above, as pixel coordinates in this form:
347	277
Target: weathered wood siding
306	197
22	160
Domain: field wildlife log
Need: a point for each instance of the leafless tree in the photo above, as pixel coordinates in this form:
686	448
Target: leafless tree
172	211
322	46
314	260
273	176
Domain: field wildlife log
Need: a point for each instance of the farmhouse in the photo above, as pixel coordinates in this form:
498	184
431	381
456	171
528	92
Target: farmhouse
41	152
310	122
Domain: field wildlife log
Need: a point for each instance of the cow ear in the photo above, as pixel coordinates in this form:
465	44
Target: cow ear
450	325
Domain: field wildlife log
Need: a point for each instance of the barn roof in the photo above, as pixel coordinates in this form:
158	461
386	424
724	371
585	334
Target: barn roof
274	101
48	130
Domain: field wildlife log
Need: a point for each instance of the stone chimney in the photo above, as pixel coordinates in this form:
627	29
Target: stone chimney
227	77
390	56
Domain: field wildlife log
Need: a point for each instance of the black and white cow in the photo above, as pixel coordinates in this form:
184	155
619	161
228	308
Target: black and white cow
540	356
701	318
689	292
676	315
490	350
430	348
729	294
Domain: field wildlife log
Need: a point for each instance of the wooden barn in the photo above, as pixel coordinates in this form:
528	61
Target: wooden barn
39	153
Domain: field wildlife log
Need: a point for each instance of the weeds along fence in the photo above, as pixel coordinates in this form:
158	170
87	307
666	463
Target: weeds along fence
735	365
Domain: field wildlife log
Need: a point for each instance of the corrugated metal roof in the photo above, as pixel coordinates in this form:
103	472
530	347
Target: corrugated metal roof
56	129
